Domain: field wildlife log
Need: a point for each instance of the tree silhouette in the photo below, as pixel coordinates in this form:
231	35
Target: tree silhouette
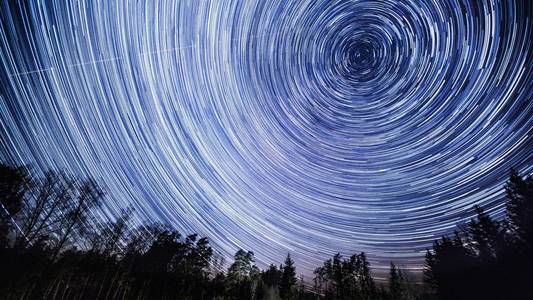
396	283
367	285
487	259
14	185
75	213
270	279
288	279
242	276
520	209
341	278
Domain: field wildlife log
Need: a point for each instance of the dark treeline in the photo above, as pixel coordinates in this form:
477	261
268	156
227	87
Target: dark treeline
54	246
486	258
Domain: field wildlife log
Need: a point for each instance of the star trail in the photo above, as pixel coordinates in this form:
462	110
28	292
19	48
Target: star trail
309	127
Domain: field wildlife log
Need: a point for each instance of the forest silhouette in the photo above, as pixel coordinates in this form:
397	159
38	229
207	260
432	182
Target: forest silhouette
53	245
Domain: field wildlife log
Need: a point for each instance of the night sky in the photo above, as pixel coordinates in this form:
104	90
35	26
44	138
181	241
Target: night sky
307	127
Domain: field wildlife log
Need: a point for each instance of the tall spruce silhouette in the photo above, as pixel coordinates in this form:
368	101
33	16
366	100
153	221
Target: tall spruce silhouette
396	282
288	279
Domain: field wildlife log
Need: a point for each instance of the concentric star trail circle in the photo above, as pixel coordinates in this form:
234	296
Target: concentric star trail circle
308	127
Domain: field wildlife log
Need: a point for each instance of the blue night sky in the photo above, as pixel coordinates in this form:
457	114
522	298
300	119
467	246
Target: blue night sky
307	127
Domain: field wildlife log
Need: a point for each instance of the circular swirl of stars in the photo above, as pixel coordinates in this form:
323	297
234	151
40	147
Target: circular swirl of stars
277	126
